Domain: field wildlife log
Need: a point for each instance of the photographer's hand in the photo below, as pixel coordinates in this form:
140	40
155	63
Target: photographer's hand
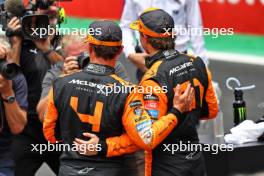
5	87
43	45
16	40
14	26
70	65
46	48
3	52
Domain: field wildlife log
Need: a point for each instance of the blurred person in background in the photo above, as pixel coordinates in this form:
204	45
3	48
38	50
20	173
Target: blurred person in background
185	13
13	112
35	59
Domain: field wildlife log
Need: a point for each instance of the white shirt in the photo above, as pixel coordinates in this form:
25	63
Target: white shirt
186	13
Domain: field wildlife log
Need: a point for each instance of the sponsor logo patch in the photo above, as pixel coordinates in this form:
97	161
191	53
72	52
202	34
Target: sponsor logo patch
147	97
143	125
151	105
141	118
135	103
153	113
138	111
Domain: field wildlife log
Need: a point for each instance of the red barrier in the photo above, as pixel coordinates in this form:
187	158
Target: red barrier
245	16
111	9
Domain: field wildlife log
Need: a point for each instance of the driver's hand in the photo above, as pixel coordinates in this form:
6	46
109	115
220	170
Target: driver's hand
87	148
183	102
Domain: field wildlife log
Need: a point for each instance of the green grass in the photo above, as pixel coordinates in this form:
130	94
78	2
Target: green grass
238	43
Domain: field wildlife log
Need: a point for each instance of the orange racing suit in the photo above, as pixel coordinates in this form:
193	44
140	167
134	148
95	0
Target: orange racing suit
145	119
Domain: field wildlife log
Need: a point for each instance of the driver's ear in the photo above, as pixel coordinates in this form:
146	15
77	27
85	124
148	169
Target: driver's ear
145	37
90	48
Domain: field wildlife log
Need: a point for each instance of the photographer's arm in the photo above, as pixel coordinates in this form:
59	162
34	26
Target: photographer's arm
47	49
15	50
15	112
2	51
16	41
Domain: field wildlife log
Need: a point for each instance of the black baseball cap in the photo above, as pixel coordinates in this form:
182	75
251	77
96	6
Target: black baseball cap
155	23
106	33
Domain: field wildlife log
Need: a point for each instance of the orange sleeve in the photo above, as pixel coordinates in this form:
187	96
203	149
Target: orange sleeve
120	145
210	99
50	119
145	118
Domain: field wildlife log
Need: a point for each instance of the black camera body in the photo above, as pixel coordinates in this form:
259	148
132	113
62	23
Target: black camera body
34	27
83	59
8	70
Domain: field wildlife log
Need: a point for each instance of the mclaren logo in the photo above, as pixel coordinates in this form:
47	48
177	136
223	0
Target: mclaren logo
87	83
180	67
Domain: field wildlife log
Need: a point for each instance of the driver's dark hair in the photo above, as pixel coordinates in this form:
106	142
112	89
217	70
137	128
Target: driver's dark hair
161	43
106	52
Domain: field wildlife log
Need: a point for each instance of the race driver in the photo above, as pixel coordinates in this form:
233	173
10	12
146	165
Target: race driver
80	103
186	15
166	67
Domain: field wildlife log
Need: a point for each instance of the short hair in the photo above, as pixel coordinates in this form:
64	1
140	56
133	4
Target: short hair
106	52
69	40
165	43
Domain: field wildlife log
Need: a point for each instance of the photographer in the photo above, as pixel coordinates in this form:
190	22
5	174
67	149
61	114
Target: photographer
35	59
13	115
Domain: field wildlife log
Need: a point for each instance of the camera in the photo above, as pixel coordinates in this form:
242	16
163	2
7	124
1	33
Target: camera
8	70
30	22
34	26
83	59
